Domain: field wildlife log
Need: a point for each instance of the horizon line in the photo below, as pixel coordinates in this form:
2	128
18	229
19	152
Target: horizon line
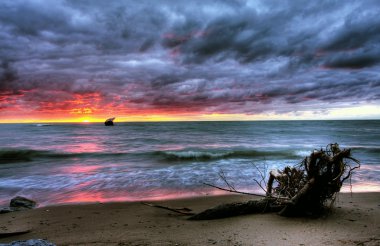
173	121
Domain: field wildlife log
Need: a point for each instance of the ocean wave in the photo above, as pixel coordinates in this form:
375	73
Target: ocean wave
367	149
19	155
204	155
26	155
39	125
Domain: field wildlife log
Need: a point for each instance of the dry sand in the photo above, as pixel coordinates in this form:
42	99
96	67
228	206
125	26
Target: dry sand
355	221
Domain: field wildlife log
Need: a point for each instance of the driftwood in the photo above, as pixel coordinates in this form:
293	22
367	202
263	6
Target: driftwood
183	211
235	209
304	189
301	190
13	233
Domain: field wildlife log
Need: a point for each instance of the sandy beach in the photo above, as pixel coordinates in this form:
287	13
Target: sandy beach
355	220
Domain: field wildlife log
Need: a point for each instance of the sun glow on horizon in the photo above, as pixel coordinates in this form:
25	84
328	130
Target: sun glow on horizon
342	113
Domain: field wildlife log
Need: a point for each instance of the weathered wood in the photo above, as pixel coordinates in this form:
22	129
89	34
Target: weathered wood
270	183
294	191
290	209
13	233
183	211
235	209
234	191
300	190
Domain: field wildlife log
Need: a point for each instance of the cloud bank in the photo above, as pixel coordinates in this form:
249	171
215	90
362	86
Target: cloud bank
198	57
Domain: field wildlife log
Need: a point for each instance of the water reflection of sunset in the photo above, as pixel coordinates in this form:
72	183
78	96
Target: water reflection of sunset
92	196
84	145
85	169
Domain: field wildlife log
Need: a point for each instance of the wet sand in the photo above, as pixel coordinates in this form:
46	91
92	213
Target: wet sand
355	220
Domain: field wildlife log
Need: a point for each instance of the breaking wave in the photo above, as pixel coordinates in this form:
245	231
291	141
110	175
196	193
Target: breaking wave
25	155
204	155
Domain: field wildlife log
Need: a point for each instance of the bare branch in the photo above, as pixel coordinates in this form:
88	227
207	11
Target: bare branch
234	191
245	193
223	177
183	211
263	177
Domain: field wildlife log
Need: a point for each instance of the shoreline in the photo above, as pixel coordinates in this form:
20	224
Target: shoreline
355	219
212	195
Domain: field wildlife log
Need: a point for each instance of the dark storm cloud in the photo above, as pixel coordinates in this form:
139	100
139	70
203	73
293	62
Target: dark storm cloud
360	28
248	33
355	61
206	56
8	79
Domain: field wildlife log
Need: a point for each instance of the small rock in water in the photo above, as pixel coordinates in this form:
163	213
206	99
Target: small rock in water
20	202
30	242
109	122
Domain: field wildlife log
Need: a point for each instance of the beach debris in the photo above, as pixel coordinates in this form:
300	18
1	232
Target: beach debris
30	242
302	190
13	233
235	209
19	203
109	122
183	211
369	241
5	210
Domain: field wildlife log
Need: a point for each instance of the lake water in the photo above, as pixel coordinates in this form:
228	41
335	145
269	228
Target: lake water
69	163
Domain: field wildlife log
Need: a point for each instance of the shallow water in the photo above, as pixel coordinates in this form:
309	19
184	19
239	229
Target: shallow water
63	163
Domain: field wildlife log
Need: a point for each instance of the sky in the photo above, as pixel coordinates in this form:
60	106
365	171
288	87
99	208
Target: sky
87	60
